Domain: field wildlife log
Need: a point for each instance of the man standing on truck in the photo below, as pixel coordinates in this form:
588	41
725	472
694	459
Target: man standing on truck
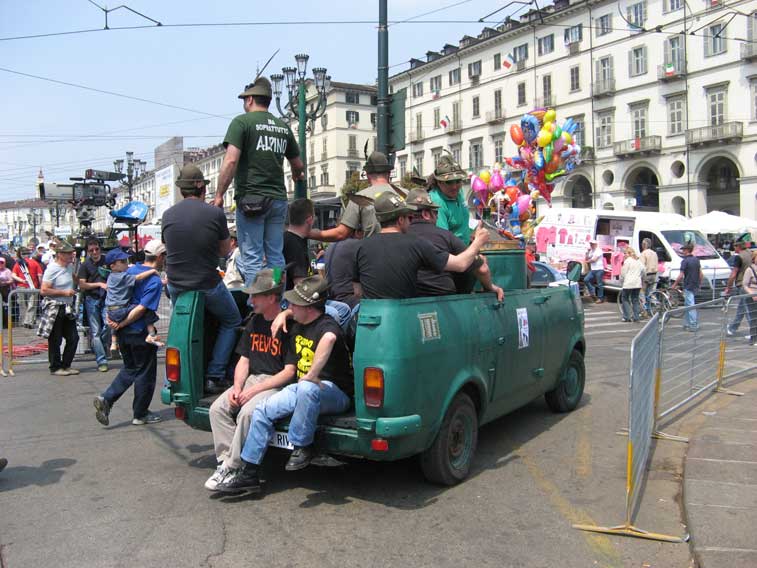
445	190
256	144
742	260
650	261
692	276
386	265
196	236
260	373
324	386
430	283
594	280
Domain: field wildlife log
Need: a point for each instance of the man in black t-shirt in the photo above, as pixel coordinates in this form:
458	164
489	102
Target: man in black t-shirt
296	254
260	372
340	261
196	236
387	264
92	282
324	386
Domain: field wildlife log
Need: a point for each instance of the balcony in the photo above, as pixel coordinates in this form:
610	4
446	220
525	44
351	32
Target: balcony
353	153
638	146
415	135
545	101
604	88
671	71
587	153
324	156
748	51
455	127
725	133
495	116
520	65
574	48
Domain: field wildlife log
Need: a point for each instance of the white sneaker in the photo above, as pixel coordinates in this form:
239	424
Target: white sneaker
221	472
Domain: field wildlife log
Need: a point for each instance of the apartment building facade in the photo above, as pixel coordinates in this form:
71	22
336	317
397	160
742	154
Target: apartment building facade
664	91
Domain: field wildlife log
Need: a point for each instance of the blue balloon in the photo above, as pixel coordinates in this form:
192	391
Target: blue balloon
530	127
538	159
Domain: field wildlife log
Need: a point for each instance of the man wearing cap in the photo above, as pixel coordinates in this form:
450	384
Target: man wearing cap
140	358
39	253
92	283
196	236
742	260
58	320
321	362
49	256
446	192
256	144
594	280
28	275
432	283
259	373
386	265
362	217
692	276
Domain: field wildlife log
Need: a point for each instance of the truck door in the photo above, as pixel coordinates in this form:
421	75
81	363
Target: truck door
560	318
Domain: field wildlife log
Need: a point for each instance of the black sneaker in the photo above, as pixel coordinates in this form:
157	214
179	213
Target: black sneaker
148	418
300	458
244	479
214	387
102	409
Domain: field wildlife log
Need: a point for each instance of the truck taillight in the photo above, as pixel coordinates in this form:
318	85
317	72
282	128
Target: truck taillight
373	387
173	365
180	412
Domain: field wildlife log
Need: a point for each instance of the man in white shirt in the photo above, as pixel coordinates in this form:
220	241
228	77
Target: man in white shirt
594	280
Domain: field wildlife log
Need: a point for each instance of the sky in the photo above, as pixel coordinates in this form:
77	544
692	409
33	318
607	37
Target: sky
65	129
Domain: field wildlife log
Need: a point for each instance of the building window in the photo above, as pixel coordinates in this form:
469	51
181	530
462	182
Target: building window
324	178
604	69
418	126
435	84
374	100
497	61
474	69
546	86
418	166
671	6
499	146
476	157
637	15
324	147
575	78
676	118
674	53
352	97
436	155
437	118
753	88
456	115
521	94
352	143
498	103
714	40
520	53
403	166
373	120
604	130
353	117
639	121
574	34
417	90
324	121
311	179
716	101
476	107
604	25
578	133
637	61
546	44
456	153
454	77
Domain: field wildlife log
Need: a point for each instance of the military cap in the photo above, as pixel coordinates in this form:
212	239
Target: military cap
389	205
448	170
310	291
267	281
377	163
419	197
261	87
65	246
188	175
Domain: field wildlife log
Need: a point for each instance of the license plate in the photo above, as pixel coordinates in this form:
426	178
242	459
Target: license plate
280	440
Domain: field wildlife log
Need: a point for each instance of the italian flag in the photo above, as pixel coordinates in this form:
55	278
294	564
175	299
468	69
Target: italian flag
444	123
509	60
670	69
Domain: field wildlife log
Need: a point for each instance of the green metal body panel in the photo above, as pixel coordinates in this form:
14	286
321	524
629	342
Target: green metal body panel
429	349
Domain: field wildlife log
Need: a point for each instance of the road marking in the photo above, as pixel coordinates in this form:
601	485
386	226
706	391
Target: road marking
724	549
583	444
723	461
719	506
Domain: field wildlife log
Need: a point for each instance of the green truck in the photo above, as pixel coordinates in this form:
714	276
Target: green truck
428	371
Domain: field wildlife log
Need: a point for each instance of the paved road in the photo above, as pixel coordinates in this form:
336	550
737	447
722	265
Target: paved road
77	494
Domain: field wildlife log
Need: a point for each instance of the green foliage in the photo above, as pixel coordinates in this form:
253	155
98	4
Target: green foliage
352	185
409	183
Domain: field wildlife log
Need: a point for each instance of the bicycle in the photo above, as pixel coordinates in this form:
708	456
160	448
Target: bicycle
662	300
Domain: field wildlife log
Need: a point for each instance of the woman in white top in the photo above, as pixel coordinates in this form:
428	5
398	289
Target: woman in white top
749	284
631	275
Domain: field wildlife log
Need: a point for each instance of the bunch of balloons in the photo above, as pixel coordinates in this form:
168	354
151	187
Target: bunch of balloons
546	150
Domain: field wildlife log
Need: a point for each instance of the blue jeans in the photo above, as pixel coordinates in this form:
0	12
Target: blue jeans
304	401
692	316
261	238
220	303
99	333
742	310
630	301
594	281
140	369
339	311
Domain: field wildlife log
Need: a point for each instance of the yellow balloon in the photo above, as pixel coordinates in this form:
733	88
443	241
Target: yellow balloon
544	138
535	194
567	137
550	115
547	125
485	176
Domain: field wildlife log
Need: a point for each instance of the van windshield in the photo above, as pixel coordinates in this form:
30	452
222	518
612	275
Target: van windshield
702	247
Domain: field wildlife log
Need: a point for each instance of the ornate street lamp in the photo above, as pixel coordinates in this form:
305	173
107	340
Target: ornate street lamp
134	169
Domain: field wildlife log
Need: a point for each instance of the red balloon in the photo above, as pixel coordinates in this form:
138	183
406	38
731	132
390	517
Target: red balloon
516	134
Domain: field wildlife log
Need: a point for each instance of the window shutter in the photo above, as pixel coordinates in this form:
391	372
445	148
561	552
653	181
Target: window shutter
597	71
644	58
567	36
668	54
707	42
580	32
630	63
644	11
609	20
629	14
612	68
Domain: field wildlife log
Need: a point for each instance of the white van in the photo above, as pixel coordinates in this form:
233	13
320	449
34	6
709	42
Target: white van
564	235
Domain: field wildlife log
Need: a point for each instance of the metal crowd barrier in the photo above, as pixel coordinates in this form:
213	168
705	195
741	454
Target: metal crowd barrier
736	355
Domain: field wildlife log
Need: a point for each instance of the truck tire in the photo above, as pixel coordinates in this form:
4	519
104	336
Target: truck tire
570	387
449	458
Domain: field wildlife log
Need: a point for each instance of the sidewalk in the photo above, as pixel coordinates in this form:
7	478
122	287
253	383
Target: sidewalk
720	484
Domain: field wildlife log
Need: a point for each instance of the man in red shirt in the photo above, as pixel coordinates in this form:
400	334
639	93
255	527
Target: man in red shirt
28	274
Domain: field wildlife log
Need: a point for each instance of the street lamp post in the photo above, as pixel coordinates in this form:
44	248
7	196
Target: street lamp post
295	107
134	169
33	218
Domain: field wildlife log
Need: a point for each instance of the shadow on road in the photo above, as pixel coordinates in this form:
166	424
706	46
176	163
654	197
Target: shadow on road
48	473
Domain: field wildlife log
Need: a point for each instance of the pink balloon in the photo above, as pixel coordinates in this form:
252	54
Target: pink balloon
496	183
524	202
477	184
559	143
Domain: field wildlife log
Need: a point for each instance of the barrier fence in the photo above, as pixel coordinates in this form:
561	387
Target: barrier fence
737	355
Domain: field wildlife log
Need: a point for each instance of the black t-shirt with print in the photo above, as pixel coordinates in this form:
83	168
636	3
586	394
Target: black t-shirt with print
296	254
89	272
386	265
266	353
303	341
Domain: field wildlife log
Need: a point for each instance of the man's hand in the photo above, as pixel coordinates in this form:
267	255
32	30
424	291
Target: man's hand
500	293
111	324
247	394
218	201
280	323
481	236
102	285
234	395
309	379
70	292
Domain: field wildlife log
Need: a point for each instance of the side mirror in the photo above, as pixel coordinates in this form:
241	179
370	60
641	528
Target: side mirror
574	272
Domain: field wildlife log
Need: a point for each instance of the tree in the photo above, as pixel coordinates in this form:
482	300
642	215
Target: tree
352	185
410	182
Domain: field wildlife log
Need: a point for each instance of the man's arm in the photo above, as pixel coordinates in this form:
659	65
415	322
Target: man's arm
461	262
320	358
241	372
48	290
484	276
86	286
298	168
276	381
734	274
145	274
136	313
338	233
228	169
224	247
357	290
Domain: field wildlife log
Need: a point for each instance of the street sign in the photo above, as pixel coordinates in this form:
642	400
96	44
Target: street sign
103	175
63	231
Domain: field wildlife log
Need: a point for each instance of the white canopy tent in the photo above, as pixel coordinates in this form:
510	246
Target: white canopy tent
716	222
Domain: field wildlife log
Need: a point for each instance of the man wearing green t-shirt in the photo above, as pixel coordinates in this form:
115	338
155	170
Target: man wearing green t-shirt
453	211
256	144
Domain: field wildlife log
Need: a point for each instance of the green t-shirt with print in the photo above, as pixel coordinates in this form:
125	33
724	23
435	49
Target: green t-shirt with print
264	142
453	214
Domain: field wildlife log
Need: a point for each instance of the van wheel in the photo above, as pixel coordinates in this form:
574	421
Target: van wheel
570	387
449	458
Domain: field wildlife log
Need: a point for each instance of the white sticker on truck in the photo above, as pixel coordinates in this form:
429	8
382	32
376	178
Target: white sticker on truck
429	327
522	314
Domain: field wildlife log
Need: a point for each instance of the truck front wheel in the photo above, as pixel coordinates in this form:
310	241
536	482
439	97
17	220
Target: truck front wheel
449	458
570	387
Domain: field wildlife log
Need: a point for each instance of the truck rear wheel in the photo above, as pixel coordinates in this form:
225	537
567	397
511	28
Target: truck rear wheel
449	458
570	387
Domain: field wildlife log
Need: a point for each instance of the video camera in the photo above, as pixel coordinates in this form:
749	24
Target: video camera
80	193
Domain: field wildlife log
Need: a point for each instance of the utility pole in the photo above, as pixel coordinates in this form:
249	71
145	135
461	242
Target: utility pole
382	114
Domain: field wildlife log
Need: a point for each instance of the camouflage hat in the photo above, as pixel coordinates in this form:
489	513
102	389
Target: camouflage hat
189	175
261	87
419	197
377	163
448	170
389	205
267	281
310	291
